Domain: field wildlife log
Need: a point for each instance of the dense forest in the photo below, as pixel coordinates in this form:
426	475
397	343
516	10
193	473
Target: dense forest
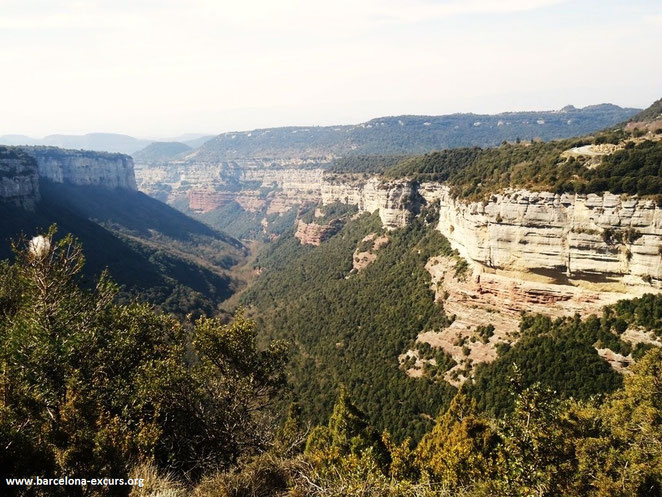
91	387
367	319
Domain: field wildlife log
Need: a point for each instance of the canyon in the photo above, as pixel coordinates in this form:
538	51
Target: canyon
525	251
602	240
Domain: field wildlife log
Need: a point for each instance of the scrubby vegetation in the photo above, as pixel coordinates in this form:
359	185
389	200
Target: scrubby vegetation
89	387
232	219
364	164
546	447
153	251
476	173
327	213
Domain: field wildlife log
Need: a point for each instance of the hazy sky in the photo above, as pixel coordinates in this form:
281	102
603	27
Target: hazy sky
165	67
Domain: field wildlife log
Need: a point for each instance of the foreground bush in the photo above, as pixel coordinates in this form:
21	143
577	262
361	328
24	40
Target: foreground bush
89	388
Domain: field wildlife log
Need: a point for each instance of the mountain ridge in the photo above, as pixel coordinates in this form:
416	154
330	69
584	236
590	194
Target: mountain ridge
406	134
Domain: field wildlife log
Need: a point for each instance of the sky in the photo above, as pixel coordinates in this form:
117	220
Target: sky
159	68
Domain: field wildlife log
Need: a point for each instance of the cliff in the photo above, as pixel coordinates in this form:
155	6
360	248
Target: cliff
600	238
315	234
19	181
397	201
83	167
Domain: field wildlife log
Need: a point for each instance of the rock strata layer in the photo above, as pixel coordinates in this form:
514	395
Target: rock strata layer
602	239
83	167
315	234
19	181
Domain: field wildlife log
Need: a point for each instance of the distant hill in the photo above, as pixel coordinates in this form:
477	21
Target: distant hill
651	113
402	135
621	159
102	142
160	151
195	142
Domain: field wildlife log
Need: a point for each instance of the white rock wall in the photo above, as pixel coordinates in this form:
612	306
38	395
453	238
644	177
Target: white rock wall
532	231
19	183
114	171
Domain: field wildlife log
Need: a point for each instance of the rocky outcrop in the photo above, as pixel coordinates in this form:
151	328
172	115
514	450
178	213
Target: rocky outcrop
19	181
602	239
599	238
396	201
315	234
83	167
246	181
366	253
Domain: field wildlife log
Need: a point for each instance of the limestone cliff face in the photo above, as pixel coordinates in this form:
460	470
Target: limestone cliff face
396	201
203	200
19	181
597	238
600	238
82	167
209	185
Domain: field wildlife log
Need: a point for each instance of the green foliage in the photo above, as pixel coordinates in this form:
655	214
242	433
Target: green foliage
461	448
347	434
159	152
89	387
329	213
558	354
352	330
627	458
636	170
649	114
475	173
485	332
231	218
364	164
152	250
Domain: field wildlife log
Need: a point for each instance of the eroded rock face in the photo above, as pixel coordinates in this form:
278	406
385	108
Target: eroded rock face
288	182
201	200
601	238
604	239
82	167
363	258
315	234
397	201
19	181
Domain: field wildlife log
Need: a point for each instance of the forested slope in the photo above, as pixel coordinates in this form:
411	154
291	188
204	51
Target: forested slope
153	250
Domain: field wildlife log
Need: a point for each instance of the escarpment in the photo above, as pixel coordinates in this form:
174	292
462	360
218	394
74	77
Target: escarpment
19	181
84	167
601	238
21	169
315	234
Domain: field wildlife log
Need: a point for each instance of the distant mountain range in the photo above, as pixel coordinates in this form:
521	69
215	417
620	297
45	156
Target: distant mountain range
100	142
406	135
396	135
